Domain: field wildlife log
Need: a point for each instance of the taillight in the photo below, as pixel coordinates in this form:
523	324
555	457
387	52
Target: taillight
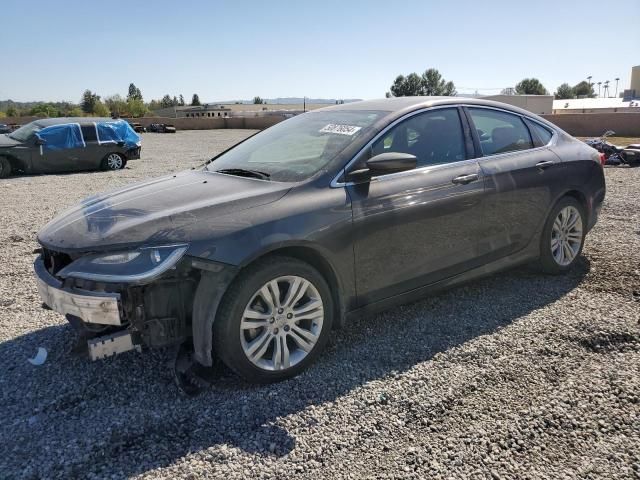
602	159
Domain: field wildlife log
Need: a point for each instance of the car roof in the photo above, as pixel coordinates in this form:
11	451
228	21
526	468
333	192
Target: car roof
404	104
47	122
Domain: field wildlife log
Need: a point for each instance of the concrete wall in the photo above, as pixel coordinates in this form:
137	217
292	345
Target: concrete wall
595	124
254	123
578	124
205	123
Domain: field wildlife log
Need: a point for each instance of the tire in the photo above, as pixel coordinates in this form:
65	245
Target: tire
276	331
113	161
5	167
565	251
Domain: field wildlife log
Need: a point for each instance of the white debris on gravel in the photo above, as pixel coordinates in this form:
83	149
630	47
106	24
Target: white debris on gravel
519	375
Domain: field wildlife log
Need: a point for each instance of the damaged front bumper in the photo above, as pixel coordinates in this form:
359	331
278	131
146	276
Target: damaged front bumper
112	318
93	308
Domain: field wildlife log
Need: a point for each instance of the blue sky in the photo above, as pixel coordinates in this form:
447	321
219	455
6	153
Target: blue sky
226	50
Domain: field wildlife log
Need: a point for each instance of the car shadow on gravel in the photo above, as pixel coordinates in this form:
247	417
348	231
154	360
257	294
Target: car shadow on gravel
123	416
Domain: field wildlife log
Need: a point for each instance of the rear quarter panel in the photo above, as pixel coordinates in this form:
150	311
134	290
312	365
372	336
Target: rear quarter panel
584	173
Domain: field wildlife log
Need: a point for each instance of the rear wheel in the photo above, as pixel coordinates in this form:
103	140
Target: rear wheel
5	167
274	321
113	161
563	236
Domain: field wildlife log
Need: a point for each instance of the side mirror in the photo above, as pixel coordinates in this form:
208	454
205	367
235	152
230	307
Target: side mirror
39	141
384	163
391	162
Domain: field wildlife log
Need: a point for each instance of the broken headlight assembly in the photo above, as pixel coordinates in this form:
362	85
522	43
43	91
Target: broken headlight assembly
133	266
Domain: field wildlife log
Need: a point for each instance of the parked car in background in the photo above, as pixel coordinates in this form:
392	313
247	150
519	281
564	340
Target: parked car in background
137	127
162	128
332	214
4	128
68	144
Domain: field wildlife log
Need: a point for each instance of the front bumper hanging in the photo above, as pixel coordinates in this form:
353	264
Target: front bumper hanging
90	307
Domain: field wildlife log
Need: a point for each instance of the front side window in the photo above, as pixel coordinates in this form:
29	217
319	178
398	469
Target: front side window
500	132
61	137
25	132
434	137
297	148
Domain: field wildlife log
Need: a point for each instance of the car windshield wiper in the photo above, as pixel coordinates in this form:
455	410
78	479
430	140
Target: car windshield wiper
243	172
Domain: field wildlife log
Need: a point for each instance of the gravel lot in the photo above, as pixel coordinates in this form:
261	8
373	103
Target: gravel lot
518	375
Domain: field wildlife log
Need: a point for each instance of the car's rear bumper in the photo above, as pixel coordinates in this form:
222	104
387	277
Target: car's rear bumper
92	307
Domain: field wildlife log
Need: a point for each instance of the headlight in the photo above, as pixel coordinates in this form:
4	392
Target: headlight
134	266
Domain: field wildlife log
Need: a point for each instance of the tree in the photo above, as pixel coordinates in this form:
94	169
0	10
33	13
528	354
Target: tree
88	102
166	102
429	83
434	84
195	100
136	107
584	89
100	109
12	111
258	101
116	105
75	112
175	101
134	92
181	101
564	92
531	86
44	110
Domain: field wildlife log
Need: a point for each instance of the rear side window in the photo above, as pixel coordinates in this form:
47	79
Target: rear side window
500	132
89	133
541	135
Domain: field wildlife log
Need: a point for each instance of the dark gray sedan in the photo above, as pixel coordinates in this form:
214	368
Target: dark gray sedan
53	145
335	213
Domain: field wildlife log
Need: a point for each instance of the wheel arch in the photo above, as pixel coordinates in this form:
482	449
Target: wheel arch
205	303
16	164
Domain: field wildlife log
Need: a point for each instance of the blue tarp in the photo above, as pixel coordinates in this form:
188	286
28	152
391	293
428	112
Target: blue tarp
117	131
59	137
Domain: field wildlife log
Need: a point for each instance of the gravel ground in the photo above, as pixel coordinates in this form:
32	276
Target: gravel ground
518	375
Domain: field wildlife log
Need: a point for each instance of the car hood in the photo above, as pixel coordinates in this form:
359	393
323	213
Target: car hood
171	209
7	142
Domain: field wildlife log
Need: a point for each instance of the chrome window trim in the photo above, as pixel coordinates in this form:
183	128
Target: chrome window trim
335	183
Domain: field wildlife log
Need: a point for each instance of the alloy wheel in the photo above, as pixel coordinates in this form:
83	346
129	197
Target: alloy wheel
114	161
566	236
282	323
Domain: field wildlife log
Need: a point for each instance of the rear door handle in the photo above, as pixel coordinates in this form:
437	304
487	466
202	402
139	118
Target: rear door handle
464	179
545	164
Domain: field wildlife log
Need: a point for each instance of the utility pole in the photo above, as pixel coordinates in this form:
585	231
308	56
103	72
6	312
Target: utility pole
304	104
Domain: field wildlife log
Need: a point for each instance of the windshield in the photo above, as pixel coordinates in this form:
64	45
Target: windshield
295	149
25	132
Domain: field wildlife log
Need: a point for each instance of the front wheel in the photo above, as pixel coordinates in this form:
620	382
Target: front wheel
274	321
113	161
563	236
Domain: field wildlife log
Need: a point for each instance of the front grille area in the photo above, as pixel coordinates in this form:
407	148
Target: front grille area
55	261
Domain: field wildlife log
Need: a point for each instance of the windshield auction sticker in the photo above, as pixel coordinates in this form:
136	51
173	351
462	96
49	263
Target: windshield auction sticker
340	129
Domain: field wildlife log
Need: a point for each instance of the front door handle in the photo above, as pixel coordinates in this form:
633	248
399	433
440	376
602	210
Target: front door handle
544	164
464	179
